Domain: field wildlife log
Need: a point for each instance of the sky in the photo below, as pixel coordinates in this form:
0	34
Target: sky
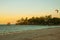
12	10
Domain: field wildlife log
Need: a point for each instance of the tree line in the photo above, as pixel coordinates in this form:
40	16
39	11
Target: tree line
46	20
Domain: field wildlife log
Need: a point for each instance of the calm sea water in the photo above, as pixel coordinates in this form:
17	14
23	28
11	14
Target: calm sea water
15	28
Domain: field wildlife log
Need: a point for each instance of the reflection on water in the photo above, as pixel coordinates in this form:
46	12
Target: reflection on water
14	28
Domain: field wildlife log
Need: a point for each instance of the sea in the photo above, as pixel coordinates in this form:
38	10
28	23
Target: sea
20	28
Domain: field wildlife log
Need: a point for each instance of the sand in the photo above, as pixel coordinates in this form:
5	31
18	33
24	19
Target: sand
41	34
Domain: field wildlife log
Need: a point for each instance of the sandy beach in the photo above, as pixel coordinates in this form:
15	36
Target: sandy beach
41	34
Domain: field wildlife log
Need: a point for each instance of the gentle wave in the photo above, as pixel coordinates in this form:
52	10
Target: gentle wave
4	29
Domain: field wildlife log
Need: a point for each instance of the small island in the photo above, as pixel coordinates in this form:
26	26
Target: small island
8	23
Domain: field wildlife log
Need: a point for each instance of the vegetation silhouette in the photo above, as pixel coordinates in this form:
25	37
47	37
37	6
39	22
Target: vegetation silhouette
46	20
8	23
57	10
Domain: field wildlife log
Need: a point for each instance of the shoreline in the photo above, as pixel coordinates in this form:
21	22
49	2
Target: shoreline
7	33
40	34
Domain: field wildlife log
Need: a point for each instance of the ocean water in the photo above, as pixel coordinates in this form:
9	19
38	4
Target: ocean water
19	28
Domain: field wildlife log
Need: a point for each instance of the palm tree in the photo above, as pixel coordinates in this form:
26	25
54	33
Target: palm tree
57	10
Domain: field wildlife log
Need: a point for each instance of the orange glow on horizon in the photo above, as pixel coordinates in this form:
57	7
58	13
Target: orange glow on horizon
4	19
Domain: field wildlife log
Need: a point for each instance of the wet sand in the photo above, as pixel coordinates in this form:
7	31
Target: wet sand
41	34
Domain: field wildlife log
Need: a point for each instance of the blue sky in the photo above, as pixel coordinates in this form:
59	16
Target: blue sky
27	7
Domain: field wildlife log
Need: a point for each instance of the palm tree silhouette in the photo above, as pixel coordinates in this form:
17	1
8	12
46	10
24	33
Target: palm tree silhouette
57	10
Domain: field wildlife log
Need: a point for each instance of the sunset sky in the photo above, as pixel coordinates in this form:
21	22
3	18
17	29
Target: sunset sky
12	10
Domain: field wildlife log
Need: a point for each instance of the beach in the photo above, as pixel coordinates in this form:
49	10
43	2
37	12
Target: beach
40	34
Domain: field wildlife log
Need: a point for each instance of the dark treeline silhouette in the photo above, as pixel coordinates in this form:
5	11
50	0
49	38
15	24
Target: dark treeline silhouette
46	20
